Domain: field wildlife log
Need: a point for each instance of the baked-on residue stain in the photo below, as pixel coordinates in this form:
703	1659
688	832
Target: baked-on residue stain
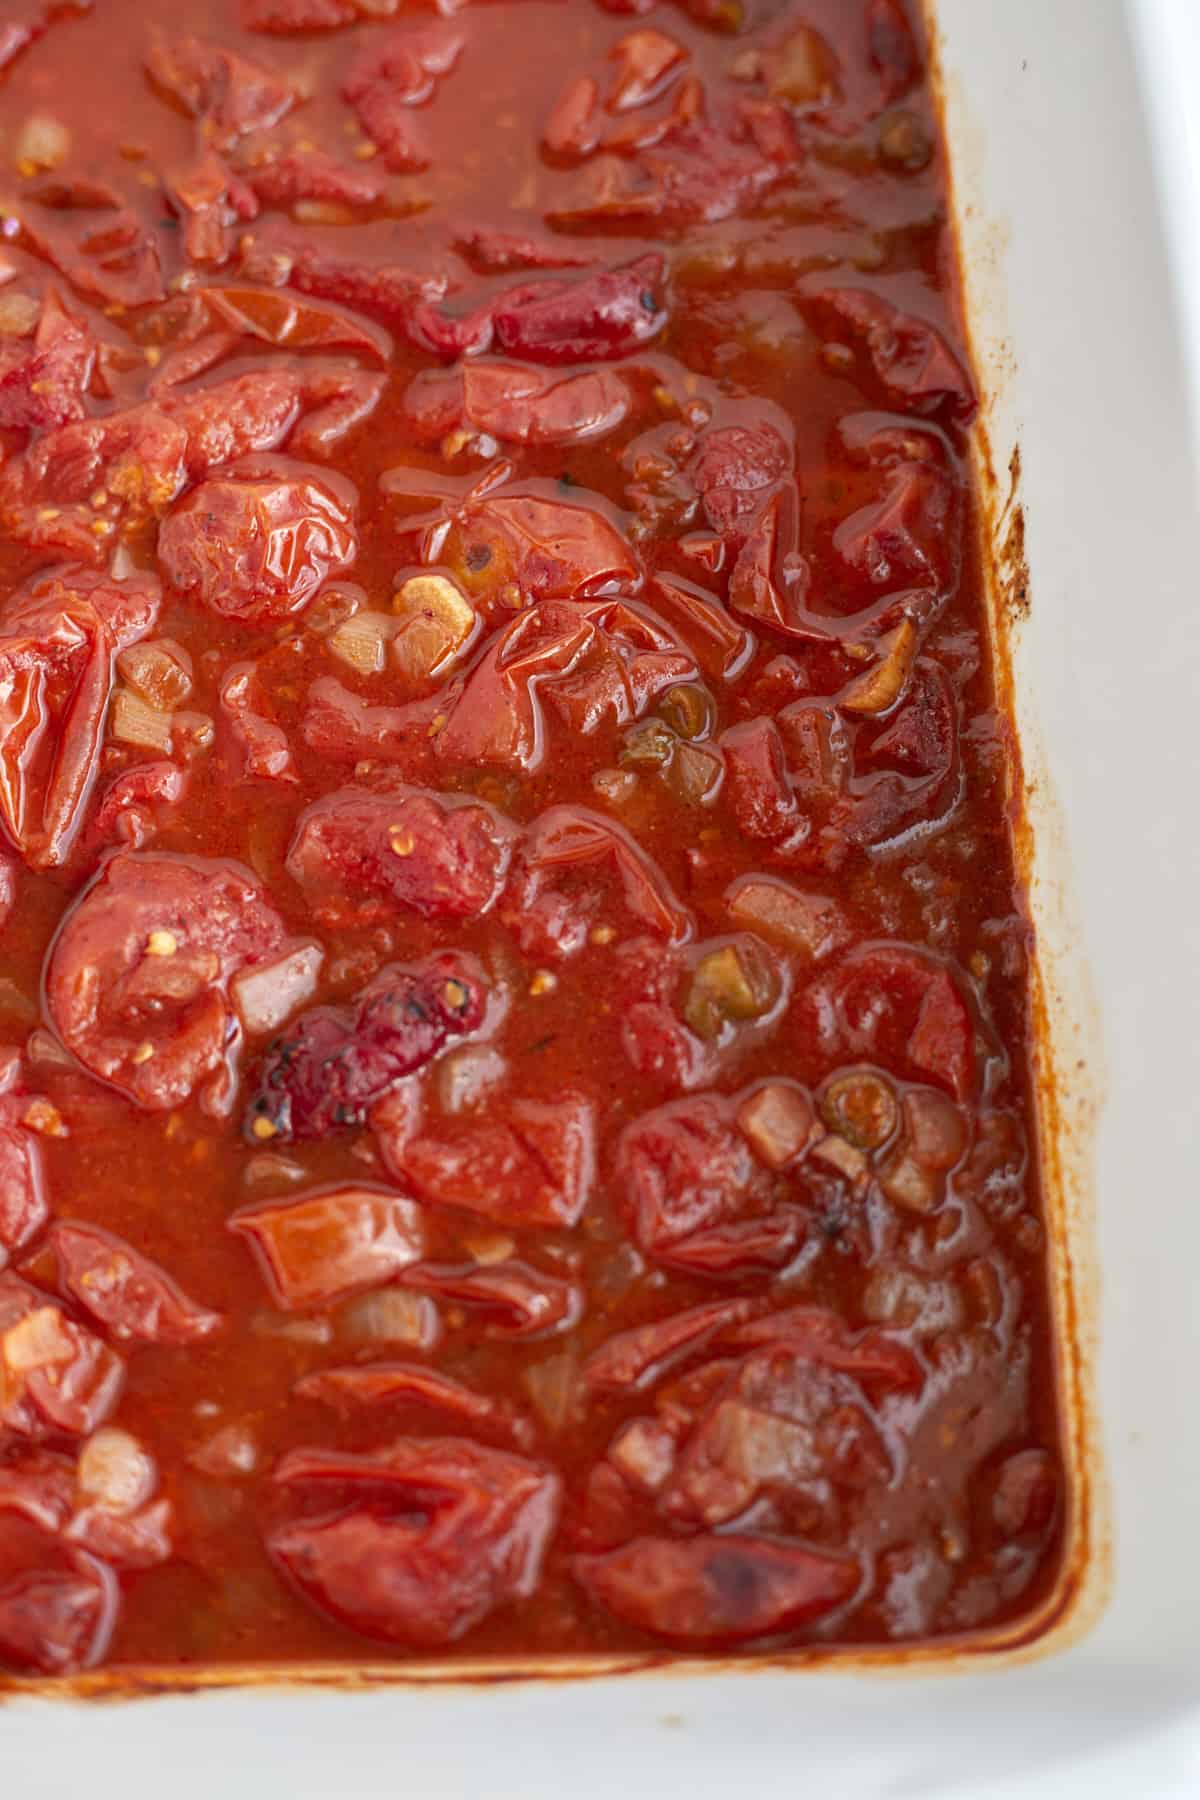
1010	566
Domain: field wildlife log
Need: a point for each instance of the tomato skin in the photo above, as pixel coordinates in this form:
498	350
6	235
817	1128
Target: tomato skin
639	1357
906	999
561	666
45	383
215	915
911	363
24	1205
60	1379
535	1168
313	175
127	1293
394	1575
127	809
38	1486
381	1384
284	16
516	404
561	841
513	1299
329	1069
552	549
910	536
58	639
451	862
388	79
591	319
58	1606
232	93
714	1591
731	469
875	1360
149	453
696	1197
257	547
319	1246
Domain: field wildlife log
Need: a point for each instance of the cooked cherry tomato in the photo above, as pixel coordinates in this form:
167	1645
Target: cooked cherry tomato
509	916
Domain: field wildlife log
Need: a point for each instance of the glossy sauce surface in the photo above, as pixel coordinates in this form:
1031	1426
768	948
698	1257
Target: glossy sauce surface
515	1118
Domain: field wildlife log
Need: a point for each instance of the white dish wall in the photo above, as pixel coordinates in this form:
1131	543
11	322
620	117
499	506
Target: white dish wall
1083	350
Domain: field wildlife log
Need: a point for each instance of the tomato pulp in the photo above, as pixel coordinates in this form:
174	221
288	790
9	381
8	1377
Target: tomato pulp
516	1130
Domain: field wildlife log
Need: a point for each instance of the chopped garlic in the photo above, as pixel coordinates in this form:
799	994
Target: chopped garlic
361	640
114	1472
434	622
133	722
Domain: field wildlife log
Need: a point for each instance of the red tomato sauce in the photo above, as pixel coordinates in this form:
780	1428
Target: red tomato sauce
515	1117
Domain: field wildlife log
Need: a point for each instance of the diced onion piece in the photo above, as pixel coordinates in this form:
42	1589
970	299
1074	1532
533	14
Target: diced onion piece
778	1122
42	143
695	774
881	686
467	1076
688	709
904	140
332	608
644	1452
133	722
321	212
314	1330
114	1472
18	315
847	1159
912	1302
616	786
489	1246
434	622
159	672
35	1342
269	993
803	71
1025	1497
935	1127
121	564
194	732
553	1389
731	984
177	978
362	640
391	1316
44	1117
809	924
233	1450
934	1138
911	1186
43	1051
648	744
861	1106
269	1172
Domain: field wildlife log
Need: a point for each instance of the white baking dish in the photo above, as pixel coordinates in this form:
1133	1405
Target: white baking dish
1081	355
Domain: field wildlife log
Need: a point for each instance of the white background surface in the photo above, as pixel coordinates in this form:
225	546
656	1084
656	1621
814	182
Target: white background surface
1049	91
1167	41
